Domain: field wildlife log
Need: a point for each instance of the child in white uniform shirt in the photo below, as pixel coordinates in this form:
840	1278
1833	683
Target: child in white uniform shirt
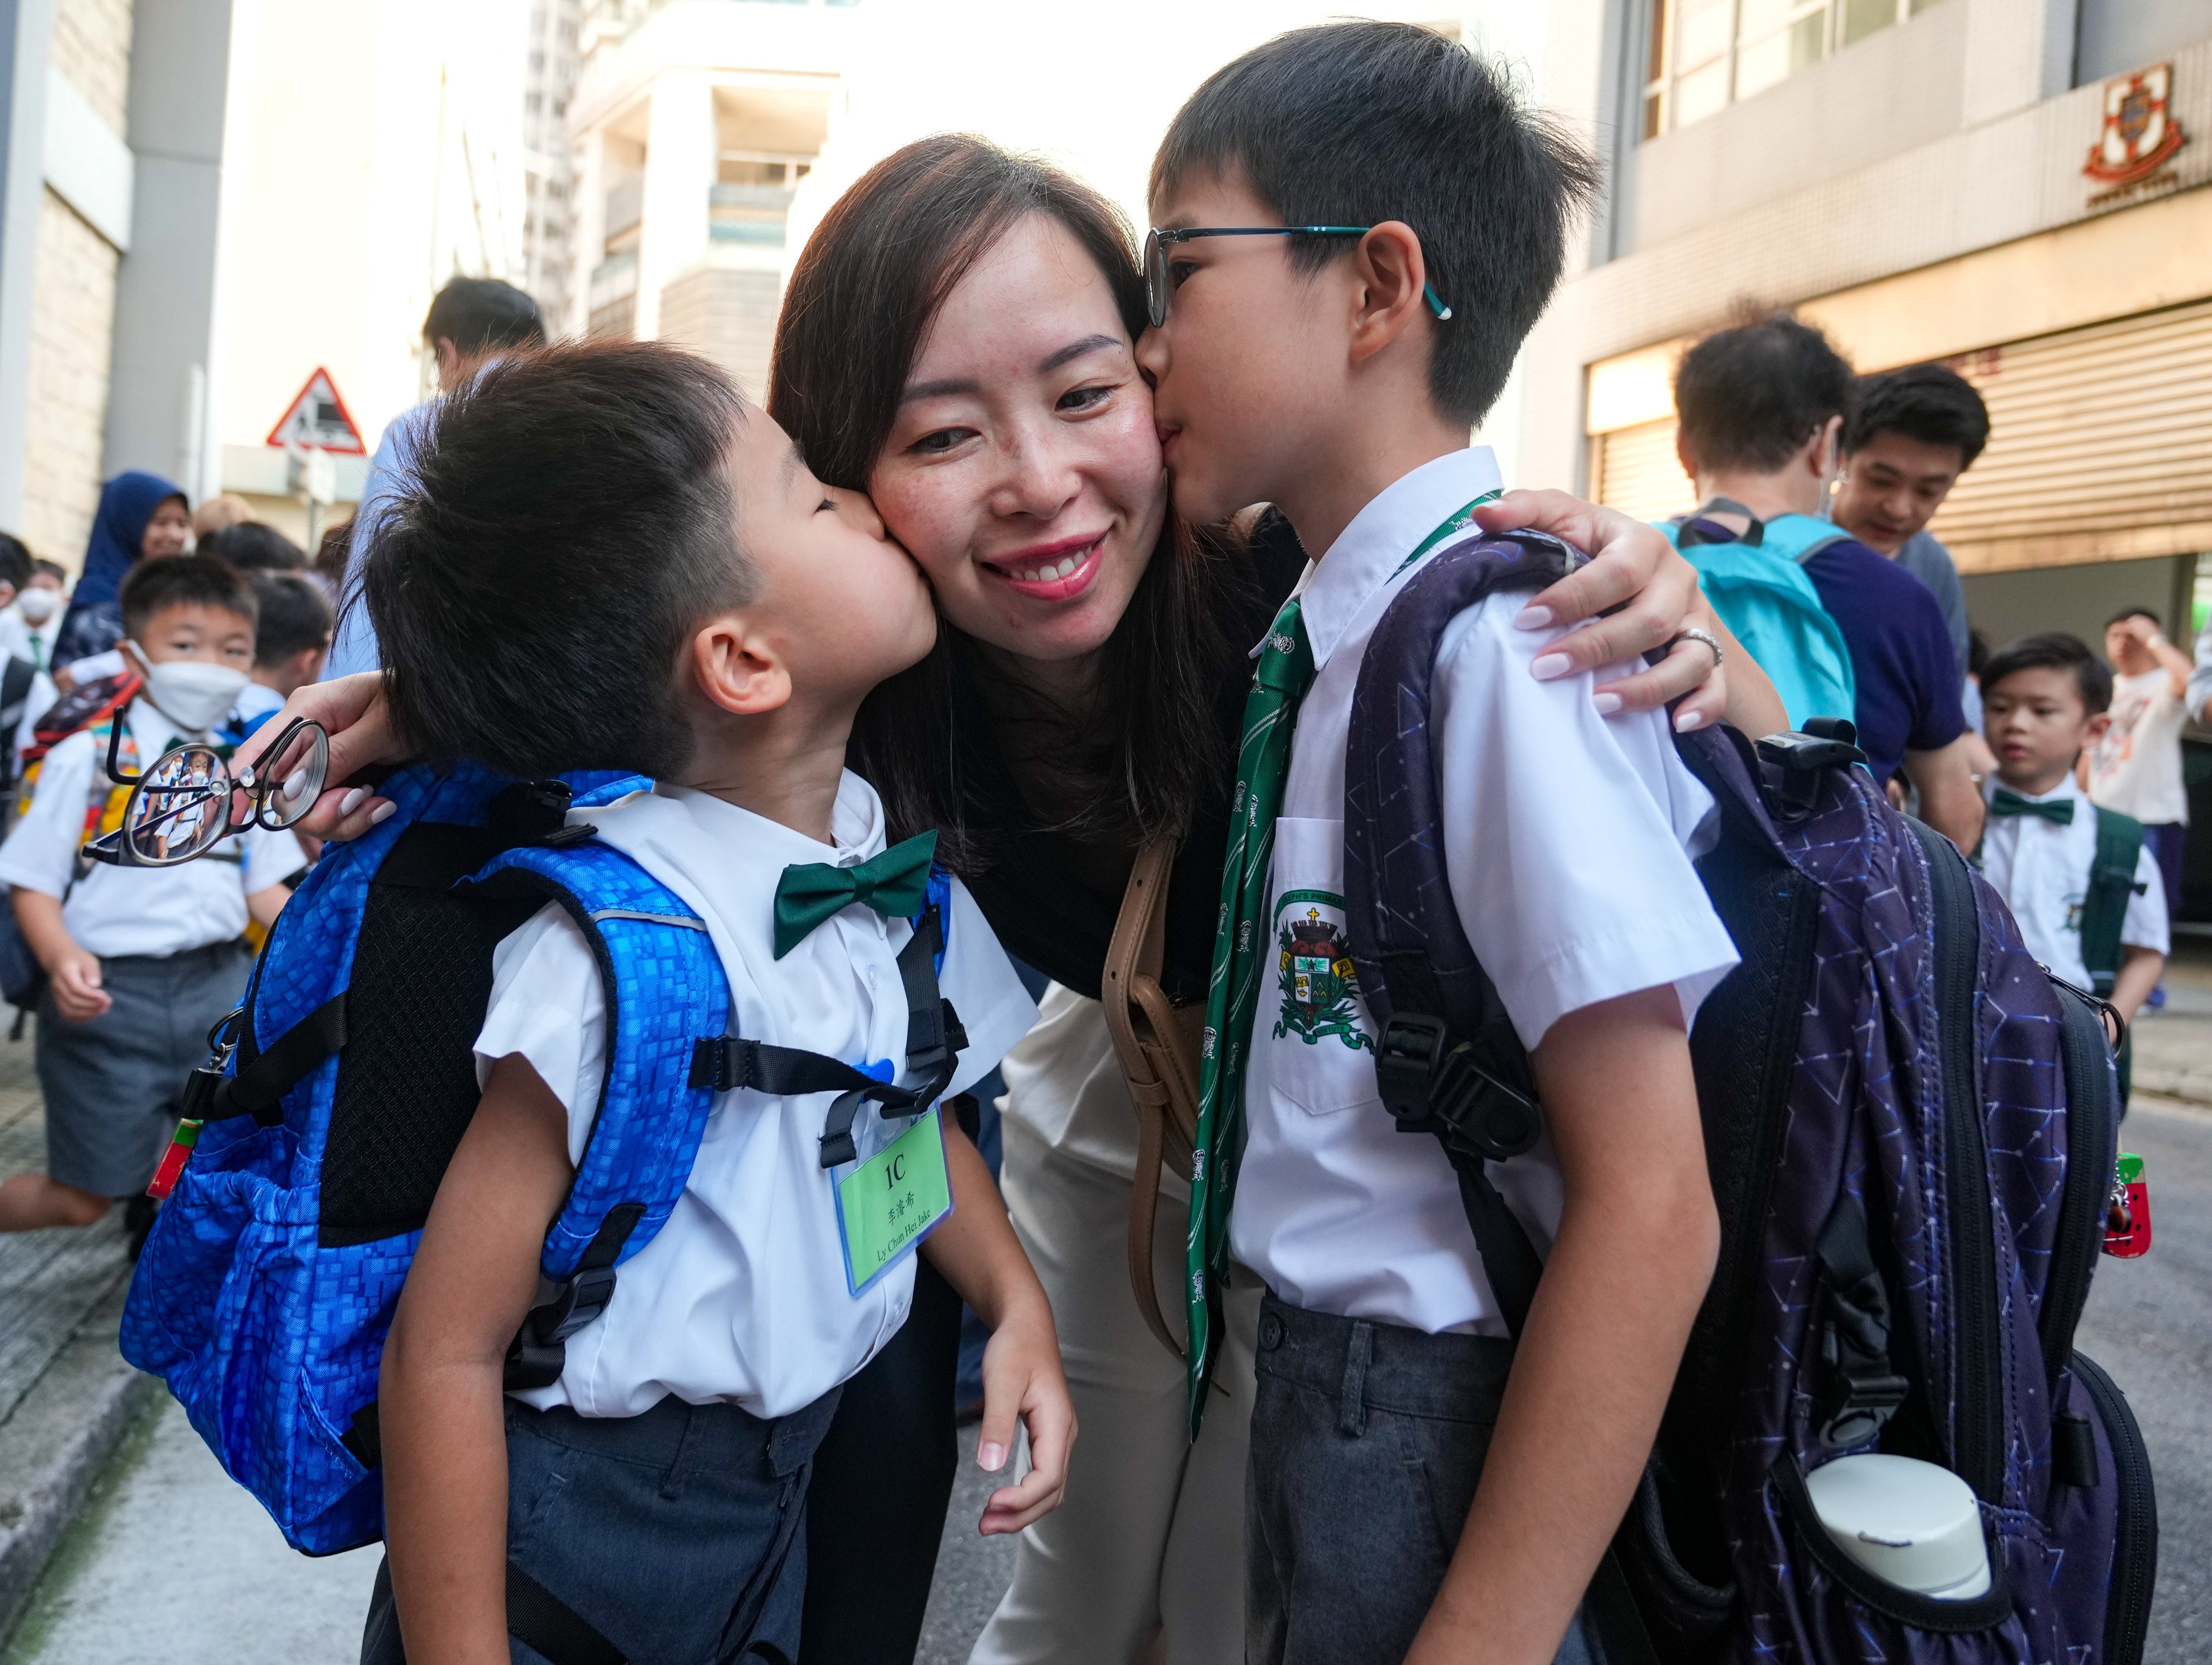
140	961
1338	378
606	559
2046	700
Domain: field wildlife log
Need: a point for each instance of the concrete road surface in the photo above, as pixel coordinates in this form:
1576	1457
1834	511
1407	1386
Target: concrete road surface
173	1564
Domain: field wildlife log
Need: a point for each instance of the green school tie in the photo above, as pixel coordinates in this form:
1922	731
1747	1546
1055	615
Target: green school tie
2059	812
1285	670
1240	942
895	884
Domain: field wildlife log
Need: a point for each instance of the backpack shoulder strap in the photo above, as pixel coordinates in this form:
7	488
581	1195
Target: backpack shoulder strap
2105	904
1447	1059
1801	537
665	990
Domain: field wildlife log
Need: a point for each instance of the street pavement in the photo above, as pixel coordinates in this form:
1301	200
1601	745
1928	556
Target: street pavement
171	1562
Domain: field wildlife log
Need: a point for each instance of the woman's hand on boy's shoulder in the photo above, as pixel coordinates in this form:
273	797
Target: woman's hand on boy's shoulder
352	711
1633	567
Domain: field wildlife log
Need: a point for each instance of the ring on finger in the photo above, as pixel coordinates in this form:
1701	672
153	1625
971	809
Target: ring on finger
1705	638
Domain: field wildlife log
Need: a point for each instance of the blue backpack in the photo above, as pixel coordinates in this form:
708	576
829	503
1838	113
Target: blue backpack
1758	584
344	1082
1910	1128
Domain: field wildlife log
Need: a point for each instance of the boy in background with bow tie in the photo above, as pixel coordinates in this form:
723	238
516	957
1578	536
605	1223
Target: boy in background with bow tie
2086	892
606	559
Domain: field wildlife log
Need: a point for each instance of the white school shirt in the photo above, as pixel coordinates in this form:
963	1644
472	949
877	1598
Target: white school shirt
2042	870
113	911
1569	839
2136	767
741	1296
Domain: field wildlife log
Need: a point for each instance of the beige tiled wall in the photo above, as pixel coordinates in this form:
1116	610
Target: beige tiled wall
92	47
73	305
72	327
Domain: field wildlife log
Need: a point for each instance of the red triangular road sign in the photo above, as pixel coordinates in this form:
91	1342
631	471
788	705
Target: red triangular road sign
317	416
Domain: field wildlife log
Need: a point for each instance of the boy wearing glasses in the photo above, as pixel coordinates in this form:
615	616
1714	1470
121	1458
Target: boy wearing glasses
140	961
1424	1485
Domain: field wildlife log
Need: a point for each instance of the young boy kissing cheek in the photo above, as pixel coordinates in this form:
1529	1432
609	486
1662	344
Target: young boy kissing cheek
1260	351
831	604
1022	468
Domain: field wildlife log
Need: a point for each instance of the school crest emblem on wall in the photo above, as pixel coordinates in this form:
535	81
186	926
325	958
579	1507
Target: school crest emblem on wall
1314	974
2140	134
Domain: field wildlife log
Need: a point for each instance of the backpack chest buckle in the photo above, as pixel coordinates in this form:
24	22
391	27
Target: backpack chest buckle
1424	1079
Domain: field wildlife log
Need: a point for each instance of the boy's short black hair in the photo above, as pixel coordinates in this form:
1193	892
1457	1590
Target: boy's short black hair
1353	124
153	586
294	617
1750	396
52	569
568	524
16	564
478	313
2127	612
2053	651
252	547
1931	402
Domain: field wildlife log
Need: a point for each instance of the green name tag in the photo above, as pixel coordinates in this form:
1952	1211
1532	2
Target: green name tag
892	1201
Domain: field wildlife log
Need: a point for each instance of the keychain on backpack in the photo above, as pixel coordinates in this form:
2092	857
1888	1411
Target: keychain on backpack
2127	1215
200	1090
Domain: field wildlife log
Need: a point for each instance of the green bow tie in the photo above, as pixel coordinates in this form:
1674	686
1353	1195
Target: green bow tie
2059	812
895	884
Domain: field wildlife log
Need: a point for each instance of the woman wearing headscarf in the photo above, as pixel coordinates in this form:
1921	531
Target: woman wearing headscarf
141	514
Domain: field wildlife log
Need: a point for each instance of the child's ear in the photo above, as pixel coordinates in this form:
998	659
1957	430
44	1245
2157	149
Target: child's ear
1392	276
2093	729
737	668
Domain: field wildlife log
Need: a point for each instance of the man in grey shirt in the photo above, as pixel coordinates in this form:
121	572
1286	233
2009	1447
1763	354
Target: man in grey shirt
1914	432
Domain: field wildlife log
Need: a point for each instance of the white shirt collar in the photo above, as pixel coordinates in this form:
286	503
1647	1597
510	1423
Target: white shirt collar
702	832
1370	551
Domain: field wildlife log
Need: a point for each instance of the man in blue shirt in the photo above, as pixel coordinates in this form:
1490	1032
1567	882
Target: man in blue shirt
472	321
1761	408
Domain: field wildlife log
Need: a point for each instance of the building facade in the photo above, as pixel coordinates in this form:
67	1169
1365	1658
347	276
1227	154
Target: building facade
2015	187
693	123
555	57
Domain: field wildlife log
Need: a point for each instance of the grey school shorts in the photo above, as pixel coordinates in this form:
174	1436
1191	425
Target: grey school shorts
112	1085
1367	1441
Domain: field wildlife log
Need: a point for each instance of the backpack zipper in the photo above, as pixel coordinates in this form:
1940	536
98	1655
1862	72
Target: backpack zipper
1978	1453
2135	1538
2092	1144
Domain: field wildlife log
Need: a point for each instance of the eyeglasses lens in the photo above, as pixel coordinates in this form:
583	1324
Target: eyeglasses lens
1156	279
181	810
293	772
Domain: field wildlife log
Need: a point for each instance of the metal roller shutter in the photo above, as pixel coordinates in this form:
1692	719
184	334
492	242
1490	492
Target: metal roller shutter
1634	470
2100	446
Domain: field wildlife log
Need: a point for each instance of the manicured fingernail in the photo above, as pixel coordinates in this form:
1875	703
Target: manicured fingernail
383	813
353	800
1689	720
1606	704
991	1456
1551	665
297	784
1533	618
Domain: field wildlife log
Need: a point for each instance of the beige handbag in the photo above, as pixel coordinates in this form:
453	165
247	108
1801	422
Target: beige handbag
1156	1041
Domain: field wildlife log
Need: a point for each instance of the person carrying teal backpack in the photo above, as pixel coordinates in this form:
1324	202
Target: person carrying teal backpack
1757	582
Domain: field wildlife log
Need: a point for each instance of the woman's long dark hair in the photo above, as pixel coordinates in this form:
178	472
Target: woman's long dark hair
860	302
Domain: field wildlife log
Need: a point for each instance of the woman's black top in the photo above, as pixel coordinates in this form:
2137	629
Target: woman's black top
1046	917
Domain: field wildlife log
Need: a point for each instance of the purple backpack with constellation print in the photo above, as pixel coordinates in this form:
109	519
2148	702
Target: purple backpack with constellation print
1910	1128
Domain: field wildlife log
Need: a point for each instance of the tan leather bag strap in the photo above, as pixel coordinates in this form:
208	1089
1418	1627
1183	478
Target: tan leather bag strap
1155	1041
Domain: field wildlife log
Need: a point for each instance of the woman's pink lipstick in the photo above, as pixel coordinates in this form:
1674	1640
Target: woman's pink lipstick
1053	572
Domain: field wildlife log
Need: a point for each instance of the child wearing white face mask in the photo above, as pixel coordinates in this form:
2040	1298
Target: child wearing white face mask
140	961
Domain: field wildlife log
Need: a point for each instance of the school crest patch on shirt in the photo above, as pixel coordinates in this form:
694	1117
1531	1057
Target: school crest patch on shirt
1314	971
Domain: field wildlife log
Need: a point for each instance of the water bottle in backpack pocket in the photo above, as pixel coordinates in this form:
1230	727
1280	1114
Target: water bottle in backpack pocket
1910	1129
